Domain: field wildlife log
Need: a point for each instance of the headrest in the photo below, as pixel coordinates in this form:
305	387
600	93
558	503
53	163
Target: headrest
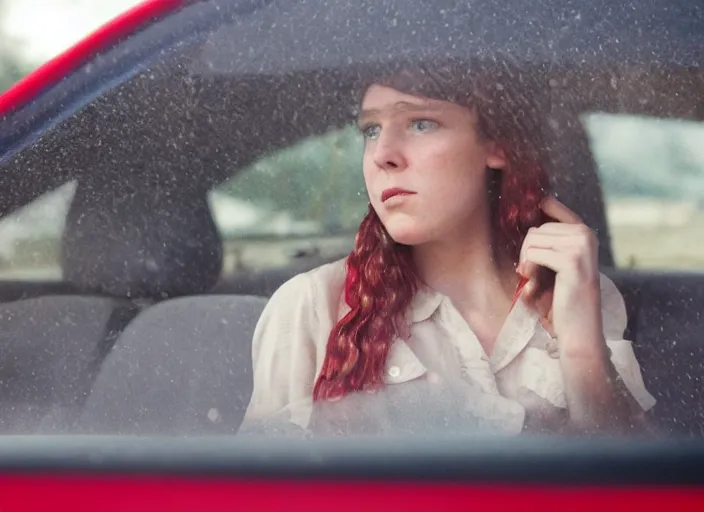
151	242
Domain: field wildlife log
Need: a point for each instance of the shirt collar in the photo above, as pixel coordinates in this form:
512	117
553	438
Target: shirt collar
425	302
516	333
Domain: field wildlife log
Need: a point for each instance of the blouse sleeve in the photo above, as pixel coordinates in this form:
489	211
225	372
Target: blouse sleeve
284	358
622	356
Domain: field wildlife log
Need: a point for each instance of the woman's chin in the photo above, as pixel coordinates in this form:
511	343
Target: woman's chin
407	235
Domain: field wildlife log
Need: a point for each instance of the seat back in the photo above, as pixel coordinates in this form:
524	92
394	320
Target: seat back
52	348
182	367
117	246
666	324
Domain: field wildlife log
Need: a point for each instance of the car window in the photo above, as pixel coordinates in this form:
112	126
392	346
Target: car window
309	198
652	174
172	127
30	237
304	200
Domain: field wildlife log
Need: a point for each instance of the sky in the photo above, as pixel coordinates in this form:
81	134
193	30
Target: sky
45	28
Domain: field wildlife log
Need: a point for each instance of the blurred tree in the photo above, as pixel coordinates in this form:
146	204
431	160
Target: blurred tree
319	179
11	70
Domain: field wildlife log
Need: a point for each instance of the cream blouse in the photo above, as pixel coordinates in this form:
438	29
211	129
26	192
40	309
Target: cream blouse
521	379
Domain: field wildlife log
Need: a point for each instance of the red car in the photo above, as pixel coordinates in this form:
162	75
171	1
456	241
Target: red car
164	176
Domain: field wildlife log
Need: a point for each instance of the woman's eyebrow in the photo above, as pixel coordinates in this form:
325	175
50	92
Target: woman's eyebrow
400	106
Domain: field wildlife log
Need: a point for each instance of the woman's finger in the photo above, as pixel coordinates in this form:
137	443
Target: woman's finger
529	271
558	211
562	229
578	241
552	241
538	300
554	260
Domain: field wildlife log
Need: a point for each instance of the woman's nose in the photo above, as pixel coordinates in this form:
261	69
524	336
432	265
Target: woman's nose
389	154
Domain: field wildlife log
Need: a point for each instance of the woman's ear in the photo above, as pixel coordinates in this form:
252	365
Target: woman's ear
495	156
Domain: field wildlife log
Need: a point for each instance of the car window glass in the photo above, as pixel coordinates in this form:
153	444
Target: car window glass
239	113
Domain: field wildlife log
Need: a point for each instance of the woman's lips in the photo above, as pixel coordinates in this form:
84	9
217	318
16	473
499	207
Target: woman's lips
393	192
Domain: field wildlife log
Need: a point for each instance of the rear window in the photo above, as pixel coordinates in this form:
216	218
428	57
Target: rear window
30	237
305	200
652	175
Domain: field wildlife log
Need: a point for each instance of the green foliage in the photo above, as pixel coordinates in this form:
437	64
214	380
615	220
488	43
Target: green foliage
318	178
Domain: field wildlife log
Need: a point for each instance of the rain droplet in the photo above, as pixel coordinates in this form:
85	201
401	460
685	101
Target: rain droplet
214	415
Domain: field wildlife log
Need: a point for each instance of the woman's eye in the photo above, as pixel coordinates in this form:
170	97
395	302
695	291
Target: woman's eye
371	131
424	125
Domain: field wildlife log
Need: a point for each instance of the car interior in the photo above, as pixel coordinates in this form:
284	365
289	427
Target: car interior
143	333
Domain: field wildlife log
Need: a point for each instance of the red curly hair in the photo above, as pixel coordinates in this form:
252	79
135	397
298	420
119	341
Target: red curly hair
381	279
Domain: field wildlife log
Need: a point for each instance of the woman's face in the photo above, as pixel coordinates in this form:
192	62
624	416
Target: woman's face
424	165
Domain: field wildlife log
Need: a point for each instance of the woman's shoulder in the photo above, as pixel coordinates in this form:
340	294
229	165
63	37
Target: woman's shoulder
288	347
317	291
323	280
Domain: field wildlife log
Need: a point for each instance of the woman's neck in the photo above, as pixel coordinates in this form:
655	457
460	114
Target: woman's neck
465	269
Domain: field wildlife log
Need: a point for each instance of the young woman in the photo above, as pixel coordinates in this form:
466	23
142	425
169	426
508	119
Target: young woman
456	282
